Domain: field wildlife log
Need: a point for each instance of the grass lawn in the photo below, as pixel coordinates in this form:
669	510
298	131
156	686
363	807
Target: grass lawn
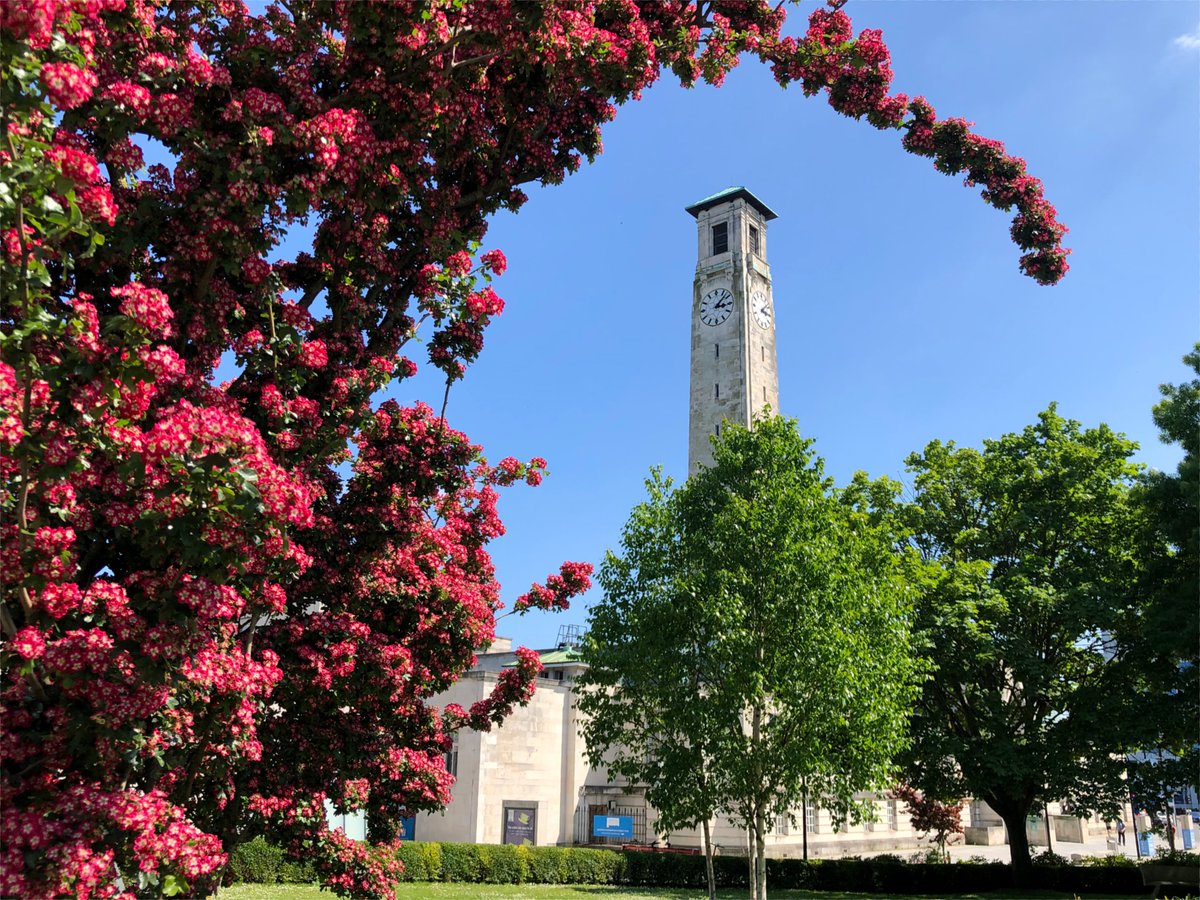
420	891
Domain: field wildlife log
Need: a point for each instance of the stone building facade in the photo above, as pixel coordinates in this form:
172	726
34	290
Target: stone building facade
536	764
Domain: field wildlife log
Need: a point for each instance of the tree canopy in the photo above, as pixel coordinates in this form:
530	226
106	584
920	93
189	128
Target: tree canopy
229	597
1025	572
752	643
1160	635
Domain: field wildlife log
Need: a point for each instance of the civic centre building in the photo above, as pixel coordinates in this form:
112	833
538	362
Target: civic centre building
528	781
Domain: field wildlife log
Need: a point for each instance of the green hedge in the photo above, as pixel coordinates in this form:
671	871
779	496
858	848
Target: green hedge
261	862
258	862
508	864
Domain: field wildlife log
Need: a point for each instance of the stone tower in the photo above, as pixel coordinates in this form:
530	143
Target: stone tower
734	371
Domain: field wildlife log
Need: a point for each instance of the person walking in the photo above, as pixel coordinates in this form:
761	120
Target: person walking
1121	832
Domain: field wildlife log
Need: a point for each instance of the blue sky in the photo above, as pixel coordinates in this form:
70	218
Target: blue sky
901	314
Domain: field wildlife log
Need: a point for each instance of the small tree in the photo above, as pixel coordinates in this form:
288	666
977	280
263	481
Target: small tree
643	696
931	817
775	635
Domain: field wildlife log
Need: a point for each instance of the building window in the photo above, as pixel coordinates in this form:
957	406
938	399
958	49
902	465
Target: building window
452	760
718	431
716	351
754	240
716	392
891	816
810	818
720	238
783	824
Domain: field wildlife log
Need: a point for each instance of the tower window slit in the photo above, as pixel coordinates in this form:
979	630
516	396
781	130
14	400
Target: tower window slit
720	238
717	351
754	240
716	392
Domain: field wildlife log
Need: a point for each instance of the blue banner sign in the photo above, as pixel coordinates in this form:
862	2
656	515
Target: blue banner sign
612	826
408	828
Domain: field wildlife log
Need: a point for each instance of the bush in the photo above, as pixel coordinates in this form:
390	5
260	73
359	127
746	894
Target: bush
431	854
734	871
415	860
593	866
461	862
1114	879
262	863
504	864
649	869
256	862
1166	857
297	872
1105	862
547	865
791	874
1049	858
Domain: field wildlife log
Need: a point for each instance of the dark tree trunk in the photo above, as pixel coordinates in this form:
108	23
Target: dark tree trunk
709	874
760	851
1014	815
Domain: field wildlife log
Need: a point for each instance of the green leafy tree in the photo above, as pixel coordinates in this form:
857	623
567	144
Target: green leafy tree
643	695
1160	640
777	608
1025	569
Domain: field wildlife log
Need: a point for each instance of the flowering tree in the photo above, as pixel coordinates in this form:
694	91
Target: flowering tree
224	604
933	818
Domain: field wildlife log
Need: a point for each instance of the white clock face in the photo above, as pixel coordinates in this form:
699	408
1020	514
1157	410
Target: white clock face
760	306
716	306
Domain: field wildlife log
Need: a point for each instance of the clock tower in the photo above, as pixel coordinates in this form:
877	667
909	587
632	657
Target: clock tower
734	371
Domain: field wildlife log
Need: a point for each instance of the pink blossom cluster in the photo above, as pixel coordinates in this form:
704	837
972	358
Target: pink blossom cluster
146	306
857	74
68	85
572	579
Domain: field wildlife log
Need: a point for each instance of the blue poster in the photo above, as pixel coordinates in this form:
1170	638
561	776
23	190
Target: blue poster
612	826
408	828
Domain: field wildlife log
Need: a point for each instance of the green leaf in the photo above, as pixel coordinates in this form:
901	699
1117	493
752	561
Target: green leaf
173	885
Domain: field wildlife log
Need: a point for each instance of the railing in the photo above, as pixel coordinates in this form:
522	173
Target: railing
584	820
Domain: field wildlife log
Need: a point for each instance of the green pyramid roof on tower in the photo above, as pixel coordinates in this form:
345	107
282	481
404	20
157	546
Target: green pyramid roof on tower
737	192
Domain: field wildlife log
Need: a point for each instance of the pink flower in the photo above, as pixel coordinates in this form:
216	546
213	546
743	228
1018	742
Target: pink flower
313	354
67	85
458	264
97	203
29	643
494	260
60	599
147	307
256	269
132	97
